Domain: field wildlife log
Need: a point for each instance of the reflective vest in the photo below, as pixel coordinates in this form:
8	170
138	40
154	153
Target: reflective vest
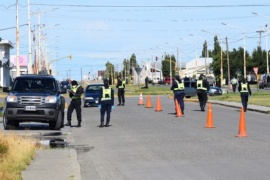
244	87
200	85
122	85
180	86
74	89
234	81
106	94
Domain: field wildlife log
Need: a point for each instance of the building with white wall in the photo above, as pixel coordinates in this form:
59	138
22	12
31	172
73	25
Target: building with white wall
5	63
198	66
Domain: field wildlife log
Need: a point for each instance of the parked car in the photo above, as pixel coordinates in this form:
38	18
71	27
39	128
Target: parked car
190	88
34	98
211	80
91	94
64	85
215	91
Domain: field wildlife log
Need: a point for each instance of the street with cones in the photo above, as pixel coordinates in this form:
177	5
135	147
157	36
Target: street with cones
209	115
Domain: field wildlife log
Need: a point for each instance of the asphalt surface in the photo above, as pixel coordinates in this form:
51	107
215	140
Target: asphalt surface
63	163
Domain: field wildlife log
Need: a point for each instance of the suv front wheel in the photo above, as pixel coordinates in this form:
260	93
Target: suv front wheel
56	125
8	124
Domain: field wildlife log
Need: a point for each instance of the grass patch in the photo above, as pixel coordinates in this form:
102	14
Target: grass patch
260	98
15	154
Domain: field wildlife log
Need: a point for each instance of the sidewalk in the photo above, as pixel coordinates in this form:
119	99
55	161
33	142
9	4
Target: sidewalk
250	107
53	164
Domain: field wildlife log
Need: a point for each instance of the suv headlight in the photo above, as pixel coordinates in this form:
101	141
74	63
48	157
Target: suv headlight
12	98
50	99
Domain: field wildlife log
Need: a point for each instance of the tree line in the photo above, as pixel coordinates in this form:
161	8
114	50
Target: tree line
235	58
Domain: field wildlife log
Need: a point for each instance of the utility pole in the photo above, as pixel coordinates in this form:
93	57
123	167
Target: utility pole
228	60
260	40
17	40
221	65
30	69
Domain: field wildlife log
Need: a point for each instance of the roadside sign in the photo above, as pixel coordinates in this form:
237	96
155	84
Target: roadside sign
255	69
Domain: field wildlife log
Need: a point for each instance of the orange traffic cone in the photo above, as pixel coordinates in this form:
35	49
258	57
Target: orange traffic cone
209	120
148	102
178	109
242	125
141	100
158	105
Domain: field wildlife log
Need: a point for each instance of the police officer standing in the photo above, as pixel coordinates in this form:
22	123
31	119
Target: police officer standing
202	87
244	90
178	88
106	103
75	94
234	83
121	91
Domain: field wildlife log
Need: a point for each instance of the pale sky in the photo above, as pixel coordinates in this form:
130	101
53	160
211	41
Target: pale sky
95	32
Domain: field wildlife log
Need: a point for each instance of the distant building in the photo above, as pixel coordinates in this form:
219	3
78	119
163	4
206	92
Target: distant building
198	66
5	63
23	65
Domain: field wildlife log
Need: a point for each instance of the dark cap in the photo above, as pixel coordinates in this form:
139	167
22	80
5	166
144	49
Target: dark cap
73	83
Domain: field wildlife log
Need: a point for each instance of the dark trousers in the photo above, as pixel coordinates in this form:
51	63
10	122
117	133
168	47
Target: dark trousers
234	87
244	98
121	95
202	96
75	104
179	95
106	107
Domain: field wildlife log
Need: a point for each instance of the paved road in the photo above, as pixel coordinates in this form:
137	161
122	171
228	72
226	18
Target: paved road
144	144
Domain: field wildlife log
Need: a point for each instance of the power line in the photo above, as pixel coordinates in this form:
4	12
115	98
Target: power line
152	6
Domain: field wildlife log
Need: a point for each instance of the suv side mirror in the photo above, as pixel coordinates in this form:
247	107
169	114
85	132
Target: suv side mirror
6	89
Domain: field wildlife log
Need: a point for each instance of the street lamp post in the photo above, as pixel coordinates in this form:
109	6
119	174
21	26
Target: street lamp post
49	64
244	36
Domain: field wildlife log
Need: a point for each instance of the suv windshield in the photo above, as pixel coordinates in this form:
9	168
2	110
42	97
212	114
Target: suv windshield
24	84
92	88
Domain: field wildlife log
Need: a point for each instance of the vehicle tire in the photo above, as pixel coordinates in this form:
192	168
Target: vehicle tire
56	125
8	124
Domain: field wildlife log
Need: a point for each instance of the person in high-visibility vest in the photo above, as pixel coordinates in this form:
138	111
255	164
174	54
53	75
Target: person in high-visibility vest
121	84
234	83
75	94
202	87
106	103
245	91
178	89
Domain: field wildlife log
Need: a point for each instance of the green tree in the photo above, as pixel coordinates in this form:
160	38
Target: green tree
259	60
166	65
133	62
126	67
109	70
215	65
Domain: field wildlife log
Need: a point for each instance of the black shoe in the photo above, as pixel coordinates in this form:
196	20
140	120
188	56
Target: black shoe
79	125
123	104
119	104
107	125
68	124
101	125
